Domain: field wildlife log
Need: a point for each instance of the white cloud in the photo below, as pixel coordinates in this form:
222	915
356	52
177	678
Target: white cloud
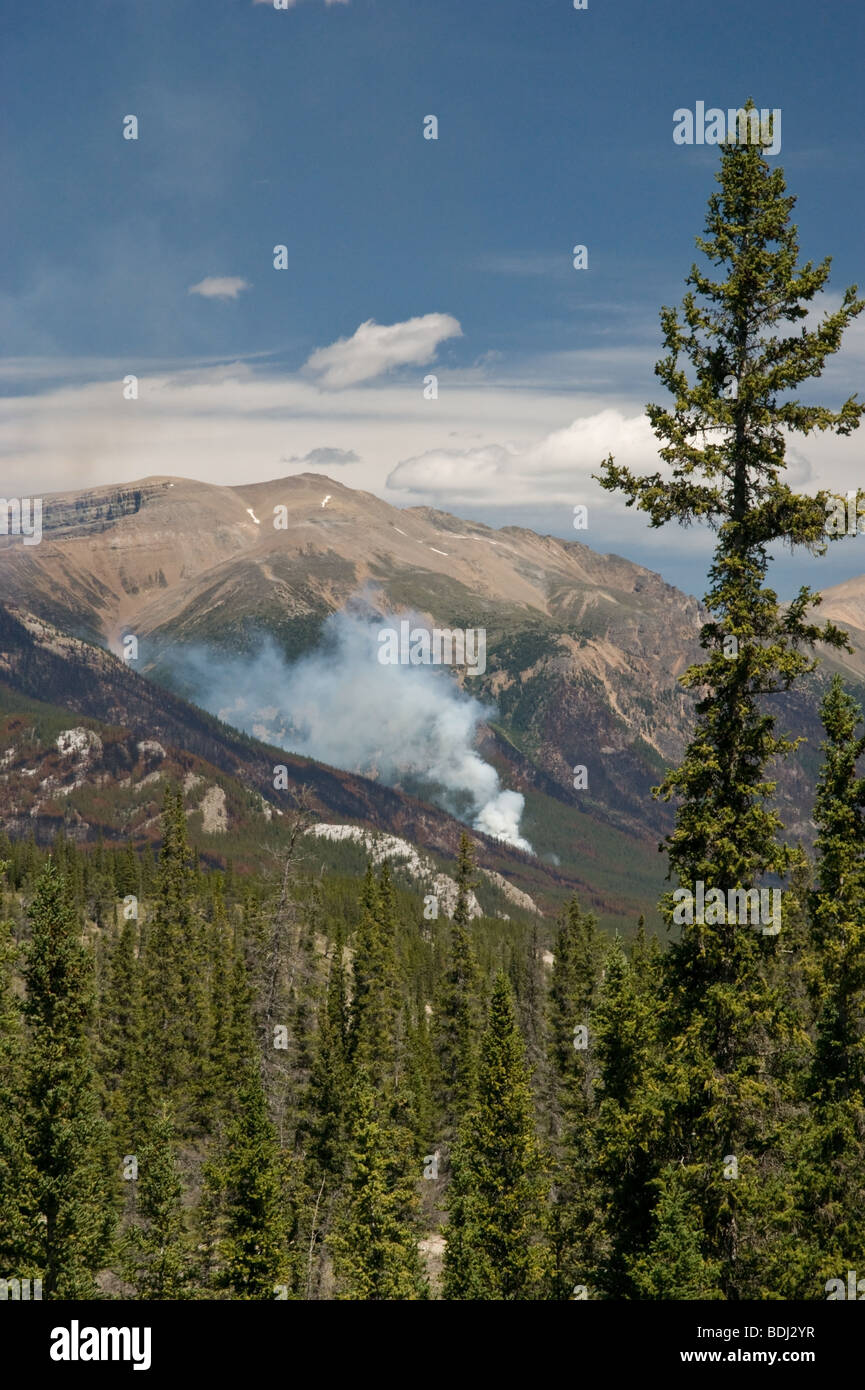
558	466
219	287
324	457
377	347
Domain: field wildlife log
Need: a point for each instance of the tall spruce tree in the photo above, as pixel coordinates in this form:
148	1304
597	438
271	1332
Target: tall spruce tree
576	978
157	1255
174	1025
496	1199
374	997
284	978
230	1039
375	1238
324	1124
626	1147
456	1015
17	1176
323	1128
120	1026
419	1080
246	1202
724	442
72	1218
570	1099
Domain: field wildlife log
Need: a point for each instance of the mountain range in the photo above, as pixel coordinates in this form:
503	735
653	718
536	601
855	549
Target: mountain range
583	655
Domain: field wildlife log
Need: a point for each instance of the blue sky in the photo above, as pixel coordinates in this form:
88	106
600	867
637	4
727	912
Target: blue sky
304	127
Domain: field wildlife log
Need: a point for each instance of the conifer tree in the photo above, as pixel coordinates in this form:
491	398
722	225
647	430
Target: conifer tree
72	1217
325	1121
526	973
374	999
157	1257
576	975
283	976
127	873
323	1130
645	959
280	938
174	1029
570	1102
99	886
456	1015
626	1138
17	1177
246	1202
497	1194
120	1026
673	1266
375	1240
723	441
230	1039
419	1079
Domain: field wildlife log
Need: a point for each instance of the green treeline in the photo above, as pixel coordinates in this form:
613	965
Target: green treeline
233	1092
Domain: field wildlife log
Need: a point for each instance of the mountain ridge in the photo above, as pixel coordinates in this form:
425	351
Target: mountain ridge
584	650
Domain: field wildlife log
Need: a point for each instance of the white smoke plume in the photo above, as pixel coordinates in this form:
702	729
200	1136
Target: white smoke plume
341	706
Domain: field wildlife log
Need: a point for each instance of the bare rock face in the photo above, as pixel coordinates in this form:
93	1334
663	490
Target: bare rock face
513	894
398	851
421	868
86	513
213	811
150	749
79	744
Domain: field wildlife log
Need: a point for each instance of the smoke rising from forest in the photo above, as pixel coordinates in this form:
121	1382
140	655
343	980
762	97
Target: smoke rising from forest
340	705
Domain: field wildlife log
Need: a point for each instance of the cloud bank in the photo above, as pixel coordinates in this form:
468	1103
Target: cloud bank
560	460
